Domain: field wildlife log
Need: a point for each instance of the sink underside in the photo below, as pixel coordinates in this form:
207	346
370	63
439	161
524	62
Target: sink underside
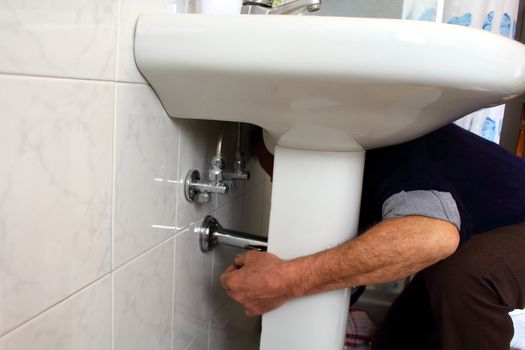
326	83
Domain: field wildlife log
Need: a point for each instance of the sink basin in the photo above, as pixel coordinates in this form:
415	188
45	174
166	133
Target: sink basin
326	89
374	81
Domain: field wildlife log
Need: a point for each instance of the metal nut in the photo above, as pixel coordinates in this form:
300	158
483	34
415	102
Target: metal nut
204	197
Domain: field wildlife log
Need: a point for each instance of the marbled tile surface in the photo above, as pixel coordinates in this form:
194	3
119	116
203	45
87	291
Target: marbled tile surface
193	290
201	342
81	322
143	301
64	38
229	216
229	145
55	193
230	329
198	142
146	159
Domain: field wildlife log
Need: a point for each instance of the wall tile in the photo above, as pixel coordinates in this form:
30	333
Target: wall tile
193	289
253	210
230	329
55	193
81	322
229	216
143	301
201	342
198	143
229	146
257	173
146	157
130	10
65	38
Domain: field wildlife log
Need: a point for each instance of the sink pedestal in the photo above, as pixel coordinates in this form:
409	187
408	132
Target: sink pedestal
315	206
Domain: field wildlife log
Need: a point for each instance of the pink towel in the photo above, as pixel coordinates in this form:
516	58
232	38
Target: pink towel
359	329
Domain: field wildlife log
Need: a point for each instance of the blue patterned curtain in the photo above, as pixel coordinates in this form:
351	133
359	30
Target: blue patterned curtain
421	10
497	16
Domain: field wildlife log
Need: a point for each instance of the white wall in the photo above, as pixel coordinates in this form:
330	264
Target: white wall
97	249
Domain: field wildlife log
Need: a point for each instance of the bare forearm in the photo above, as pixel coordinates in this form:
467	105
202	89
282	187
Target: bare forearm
393	249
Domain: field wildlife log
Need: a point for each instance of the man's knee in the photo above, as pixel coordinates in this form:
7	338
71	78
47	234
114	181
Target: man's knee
455	277
489	266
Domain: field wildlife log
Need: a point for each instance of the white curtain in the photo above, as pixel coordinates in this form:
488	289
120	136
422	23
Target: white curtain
421	10
497	16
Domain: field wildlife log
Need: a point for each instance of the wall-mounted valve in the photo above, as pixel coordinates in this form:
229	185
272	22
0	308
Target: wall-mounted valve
219	180
211	234
195	189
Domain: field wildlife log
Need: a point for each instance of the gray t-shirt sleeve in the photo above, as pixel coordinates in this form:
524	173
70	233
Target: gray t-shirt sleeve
433	204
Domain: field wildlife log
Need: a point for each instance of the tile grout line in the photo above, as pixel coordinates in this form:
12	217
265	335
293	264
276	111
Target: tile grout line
177	175
114	169
172	236
111	310
107	274
113	210
173	294
209	335
87	80
70	296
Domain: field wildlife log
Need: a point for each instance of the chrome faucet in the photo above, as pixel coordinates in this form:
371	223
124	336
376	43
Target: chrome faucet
264	7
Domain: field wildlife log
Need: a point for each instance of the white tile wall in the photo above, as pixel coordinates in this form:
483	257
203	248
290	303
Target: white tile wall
193	289
97	249
198	142
55	191
143	301
201	342
81	322
230	216
59	38
231	330
146	168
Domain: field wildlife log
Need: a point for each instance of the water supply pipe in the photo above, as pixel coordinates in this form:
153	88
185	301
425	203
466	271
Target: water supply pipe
211	234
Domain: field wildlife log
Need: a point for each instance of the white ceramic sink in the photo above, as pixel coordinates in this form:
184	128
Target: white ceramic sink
326	89
375	81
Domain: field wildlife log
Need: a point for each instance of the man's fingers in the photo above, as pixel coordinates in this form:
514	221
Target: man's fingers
226	276
248	257
239	260
230	269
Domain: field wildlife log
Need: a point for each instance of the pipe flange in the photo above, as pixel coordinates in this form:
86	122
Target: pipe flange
189	191
206	230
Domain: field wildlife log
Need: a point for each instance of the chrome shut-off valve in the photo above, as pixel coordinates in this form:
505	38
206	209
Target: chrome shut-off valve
196	189
219	180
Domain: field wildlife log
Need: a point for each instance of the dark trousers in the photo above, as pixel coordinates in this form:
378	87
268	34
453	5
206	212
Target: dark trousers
462	302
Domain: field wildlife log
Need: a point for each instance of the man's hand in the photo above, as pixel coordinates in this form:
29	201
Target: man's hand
393	249
259	281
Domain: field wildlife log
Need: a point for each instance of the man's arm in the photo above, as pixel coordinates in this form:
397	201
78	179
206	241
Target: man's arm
393	249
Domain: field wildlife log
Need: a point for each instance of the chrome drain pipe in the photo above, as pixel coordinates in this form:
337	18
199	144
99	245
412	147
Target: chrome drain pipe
211	234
